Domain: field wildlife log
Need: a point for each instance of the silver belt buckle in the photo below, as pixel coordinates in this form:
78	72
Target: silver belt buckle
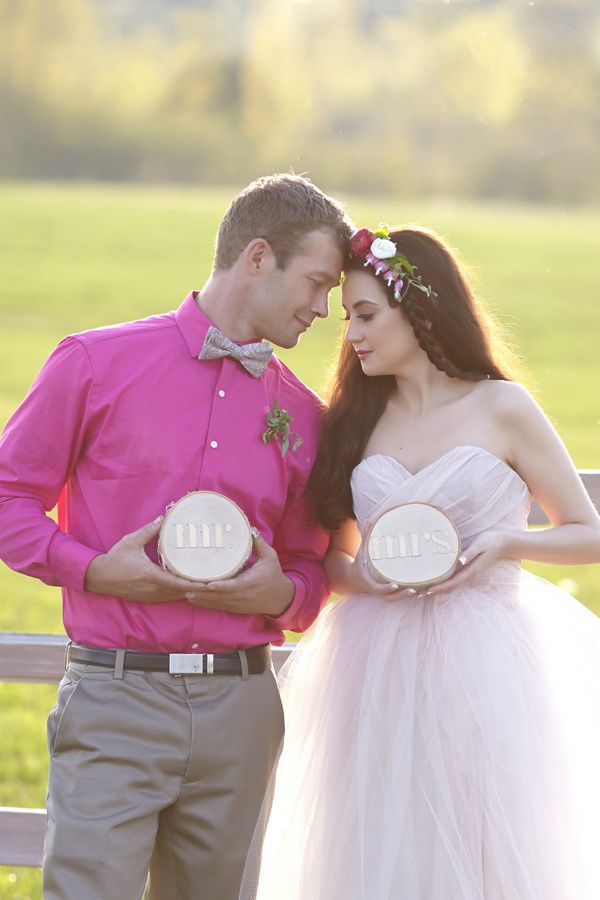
191	663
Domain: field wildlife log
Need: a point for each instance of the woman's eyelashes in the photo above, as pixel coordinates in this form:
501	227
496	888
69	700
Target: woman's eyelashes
365	317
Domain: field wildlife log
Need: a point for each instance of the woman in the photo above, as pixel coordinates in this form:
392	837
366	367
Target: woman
442	744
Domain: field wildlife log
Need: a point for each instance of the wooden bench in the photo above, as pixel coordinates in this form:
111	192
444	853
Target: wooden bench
40	658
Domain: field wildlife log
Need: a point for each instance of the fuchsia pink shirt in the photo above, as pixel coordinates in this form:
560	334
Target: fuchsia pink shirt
120	422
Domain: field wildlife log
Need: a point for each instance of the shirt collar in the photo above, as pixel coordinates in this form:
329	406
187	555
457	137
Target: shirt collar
193	323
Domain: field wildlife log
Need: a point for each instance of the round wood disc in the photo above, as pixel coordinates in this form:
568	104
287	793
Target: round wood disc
205	536
413	545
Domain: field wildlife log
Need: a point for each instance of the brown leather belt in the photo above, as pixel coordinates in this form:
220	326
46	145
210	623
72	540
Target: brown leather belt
258	658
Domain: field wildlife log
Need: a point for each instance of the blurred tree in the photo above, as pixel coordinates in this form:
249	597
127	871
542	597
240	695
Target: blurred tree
478	98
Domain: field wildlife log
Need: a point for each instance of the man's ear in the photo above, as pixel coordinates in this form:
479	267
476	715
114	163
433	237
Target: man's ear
257	254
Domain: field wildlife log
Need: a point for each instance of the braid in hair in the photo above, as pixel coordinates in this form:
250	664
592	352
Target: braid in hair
417	316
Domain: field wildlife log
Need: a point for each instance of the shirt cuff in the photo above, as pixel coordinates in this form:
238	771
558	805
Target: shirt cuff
70	560
287	618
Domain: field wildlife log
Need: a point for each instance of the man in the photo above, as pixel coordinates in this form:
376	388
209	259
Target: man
152	768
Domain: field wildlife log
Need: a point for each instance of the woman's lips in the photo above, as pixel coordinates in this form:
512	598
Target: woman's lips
362	354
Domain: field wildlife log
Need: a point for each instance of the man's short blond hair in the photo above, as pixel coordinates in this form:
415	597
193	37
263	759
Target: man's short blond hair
282	209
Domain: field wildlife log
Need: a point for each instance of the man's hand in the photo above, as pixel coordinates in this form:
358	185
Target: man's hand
125	571
262	588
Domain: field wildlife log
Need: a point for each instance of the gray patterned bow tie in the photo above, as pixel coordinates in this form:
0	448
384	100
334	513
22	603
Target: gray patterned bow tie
253	357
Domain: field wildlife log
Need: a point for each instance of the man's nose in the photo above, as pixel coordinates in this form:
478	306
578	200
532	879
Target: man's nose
320	307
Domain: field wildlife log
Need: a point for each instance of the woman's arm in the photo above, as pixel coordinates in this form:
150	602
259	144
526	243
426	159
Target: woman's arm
536	452
346	566
339	562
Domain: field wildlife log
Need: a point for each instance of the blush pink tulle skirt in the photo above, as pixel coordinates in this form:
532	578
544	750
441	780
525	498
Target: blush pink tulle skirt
445	748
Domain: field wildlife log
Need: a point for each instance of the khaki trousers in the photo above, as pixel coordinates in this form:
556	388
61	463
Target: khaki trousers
154	772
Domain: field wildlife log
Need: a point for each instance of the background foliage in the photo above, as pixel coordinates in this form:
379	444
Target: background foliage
469	98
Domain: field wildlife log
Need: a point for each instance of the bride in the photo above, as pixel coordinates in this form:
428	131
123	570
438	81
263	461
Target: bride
441	744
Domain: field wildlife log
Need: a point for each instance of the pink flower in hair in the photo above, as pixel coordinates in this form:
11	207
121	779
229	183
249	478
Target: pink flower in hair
381	252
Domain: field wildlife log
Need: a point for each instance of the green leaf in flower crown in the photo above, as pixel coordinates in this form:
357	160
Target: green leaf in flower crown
382	231
406	265
297	443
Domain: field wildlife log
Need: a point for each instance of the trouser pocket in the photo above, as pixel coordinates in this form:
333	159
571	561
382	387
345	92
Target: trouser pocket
67	688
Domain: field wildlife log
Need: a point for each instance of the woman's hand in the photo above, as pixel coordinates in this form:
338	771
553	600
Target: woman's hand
361	581
482	553
347	569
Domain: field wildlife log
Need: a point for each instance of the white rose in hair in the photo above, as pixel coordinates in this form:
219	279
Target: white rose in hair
383	249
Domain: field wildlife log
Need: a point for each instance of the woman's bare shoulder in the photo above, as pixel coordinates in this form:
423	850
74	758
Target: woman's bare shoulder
508	398
509	414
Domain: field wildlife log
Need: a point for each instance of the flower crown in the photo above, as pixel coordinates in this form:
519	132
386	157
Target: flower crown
379	251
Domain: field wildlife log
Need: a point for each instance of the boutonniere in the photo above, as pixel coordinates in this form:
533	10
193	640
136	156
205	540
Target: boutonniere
278	426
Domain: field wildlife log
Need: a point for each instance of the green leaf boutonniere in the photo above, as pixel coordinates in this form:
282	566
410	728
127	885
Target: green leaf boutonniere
278	426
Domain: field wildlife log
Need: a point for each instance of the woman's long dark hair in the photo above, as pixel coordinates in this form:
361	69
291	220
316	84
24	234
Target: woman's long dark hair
459	337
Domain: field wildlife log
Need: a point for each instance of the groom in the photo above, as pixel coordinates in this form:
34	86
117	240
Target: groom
151	768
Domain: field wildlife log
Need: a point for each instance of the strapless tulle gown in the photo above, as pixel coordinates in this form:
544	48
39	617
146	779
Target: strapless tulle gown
440	748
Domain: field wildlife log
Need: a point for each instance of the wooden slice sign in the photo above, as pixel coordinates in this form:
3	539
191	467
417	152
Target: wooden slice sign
413	545
205	536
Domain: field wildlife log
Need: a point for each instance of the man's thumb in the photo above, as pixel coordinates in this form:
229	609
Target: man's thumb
145	534
259	545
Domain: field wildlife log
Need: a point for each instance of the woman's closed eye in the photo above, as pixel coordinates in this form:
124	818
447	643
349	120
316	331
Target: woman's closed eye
365	317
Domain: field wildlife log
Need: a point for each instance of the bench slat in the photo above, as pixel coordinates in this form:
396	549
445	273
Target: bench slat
21	836
591	482
40	658
37	658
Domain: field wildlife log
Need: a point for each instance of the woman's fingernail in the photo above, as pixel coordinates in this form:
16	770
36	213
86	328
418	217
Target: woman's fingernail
412	591
462	559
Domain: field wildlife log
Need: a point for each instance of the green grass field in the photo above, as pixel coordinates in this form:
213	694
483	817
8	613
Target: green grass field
79	257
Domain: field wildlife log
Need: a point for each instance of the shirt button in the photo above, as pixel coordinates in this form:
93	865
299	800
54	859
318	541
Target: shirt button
194	646
214	444
221	393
